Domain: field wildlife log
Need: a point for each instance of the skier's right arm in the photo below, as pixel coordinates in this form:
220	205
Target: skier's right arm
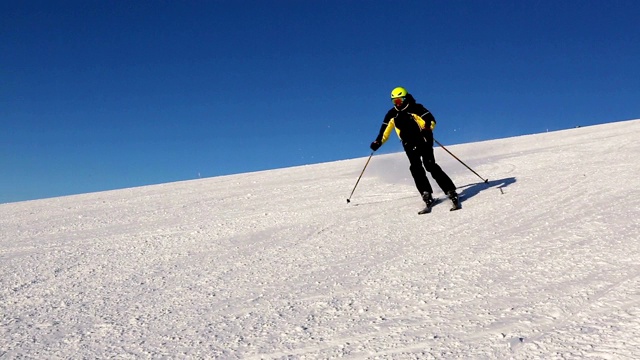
385	130
383	136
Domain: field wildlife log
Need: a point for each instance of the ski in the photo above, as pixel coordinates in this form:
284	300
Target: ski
427	209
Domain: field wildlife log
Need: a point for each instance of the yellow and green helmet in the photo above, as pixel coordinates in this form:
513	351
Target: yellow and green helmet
398	95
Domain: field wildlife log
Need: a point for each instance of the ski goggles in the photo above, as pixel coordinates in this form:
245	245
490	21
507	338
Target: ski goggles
398	101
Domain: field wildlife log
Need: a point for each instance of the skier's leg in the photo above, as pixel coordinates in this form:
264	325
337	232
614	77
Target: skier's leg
417	171
442	179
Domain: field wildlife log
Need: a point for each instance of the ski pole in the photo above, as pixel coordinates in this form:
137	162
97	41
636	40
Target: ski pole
354	188
455	157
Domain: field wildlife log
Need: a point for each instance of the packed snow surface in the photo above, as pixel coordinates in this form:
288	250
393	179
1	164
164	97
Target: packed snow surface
543	261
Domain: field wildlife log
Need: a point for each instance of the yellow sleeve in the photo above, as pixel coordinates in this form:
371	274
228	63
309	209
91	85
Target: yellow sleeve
420	121
387	131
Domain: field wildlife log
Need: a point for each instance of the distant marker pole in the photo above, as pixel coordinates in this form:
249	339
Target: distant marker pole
455	157
354	188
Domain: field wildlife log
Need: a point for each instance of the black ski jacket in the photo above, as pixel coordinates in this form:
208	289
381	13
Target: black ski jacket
412	123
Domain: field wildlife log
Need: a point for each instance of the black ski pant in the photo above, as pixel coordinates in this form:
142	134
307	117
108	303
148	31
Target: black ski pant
421	158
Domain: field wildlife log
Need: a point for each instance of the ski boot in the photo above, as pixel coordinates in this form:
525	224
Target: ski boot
455	201
428	200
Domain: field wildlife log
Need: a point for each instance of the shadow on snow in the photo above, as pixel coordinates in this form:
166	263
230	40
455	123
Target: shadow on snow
471	190
465	192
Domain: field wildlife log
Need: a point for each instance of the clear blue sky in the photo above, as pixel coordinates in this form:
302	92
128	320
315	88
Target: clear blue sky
98	95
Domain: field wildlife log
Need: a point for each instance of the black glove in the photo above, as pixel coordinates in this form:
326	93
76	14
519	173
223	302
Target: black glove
375	145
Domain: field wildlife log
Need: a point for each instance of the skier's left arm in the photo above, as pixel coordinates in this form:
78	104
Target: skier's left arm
427	116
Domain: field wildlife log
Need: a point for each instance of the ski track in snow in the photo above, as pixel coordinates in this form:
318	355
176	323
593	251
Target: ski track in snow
541	262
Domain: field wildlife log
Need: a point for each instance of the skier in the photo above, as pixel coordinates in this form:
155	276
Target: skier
414	125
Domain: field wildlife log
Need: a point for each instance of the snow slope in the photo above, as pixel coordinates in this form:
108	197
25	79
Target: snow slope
542	262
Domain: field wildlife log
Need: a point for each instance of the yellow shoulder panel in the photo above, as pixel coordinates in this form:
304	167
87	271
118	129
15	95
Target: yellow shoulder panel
419	121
